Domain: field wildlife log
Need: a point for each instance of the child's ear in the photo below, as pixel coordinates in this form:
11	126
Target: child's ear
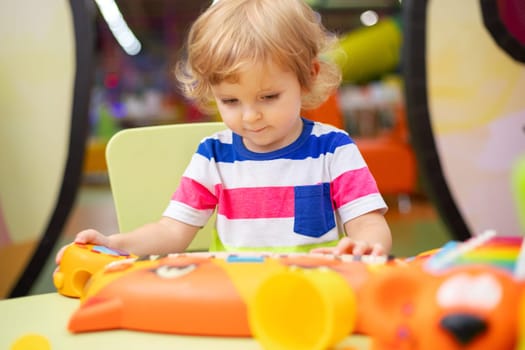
314	71
316	66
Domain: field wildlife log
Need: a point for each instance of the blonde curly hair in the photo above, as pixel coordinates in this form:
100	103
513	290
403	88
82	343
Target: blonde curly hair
234	34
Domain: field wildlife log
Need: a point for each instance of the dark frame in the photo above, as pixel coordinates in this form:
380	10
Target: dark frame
84	38
492	21
414	70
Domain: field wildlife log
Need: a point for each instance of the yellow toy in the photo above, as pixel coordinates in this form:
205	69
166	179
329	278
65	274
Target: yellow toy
79	263
303	309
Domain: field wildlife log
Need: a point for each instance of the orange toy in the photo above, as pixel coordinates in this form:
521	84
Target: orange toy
183	295
470	307
195	293
521	324
79	262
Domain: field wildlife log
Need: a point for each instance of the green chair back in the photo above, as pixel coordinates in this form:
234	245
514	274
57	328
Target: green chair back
145	165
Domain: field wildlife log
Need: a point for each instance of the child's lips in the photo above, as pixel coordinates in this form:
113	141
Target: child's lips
256	130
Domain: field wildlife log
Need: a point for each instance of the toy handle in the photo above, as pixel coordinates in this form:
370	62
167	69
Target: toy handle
79	262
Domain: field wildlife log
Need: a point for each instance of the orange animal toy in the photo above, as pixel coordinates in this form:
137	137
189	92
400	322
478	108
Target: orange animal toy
468	307
184	295
194	293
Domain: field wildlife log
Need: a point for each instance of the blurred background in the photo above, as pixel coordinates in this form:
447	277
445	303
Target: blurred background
135	44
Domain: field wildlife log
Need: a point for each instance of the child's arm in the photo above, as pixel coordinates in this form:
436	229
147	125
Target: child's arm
162	237
366	234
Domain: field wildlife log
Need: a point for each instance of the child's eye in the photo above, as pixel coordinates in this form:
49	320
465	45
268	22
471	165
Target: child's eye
270	97
229	101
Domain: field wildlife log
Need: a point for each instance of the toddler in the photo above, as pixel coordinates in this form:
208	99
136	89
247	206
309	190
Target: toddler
278	182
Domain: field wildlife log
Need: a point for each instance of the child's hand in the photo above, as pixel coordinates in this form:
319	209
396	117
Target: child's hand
92	237
356	247
87	236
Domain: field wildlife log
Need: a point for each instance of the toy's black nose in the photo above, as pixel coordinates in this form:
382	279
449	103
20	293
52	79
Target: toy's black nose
463	327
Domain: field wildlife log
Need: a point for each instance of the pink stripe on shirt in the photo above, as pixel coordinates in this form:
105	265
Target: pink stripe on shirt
351	185
261	202
194	194
270	202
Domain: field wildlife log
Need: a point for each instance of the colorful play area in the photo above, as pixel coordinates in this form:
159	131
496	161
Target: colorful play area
433	94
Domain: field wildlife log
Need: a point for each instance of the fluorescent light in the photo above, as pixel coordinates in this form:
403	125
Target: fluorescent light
369	18
118	26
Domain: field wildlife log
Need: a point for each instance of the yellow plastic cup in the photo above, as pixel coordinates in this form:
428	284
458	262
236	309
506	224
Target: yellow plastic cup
310	309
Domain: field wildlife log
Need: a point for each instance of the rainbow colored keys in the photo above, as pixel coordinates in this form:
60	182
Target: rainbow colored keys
489	249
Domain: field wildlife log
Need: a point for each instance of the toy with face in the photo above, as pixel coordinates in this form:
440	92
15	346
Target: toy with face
195	294
163	295
470	307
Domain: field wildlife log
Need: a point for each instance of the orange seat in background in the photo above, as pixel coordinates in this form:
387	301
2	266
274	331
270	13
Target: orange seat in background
391	158
389	155
328	113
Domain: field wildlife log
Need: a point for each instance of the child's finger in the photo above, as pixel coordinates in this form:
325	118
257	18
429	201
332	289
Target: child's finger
90	236
360	248
377	249
345	246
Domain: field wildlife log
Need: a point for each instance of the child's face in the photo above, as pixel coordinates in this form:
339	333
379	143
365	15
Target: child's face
263	106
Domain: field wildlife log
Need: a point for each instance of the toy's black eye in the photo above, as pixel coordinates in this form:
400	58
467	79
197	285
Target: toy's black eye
170	272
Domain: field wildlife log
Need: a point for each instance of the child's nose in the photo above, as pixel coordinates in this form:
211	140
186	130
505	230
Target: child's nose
250	114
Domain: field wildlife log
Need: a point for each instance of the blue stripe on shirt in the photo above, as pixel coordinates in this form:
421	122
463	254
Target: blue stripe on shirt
307	145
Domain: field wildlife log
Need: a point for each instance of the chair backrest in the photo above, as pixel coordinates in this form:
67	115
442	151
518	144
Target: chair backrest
145	165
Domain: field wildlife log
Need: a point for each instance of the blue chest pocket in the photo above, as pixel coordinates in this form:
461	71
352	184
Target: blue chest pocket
314	213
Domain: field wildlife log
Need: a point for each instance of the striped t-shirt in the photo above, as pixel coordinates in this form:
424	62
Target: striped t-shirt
289	199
